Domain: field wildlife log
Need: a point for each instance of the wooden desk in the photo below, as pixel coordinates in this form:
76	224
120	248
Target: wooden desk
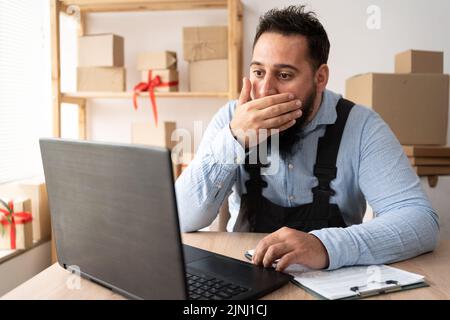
52	283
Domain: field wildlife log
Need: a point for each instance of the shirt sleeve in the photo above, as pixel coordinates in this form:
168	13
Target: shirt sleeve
208	179
404	225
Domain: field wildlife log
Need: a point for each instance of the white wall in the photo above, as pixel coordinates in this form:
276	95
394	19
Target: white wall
355	49
439	198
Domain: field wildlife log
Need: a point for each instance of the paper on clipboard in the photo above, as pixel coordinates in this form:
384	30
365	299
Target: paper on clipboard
357	281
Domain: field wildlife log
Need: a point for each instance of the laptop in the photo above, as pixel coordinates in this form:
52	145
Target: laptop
115	222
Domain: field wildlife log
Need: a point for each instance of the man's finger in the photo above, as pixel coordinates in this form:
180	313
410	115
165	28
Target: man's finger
262	246
279	121
274	252
285	261
279	109
268	101
282	128
244	97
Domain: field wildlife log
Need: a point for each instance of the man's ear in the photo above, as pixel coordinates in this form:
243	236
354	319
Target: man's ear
321	77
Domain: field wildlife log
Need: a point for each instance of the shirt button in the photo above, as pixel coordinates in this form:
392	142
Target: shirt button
219	185
291	197
291	166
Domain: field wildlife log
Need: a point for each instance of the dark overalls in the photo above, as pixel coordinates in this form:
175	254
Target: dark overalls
265	216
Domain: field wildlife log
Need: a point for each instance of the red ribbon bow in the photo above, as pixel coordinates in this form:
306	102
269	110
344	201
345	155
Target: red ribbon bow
15	218
150	86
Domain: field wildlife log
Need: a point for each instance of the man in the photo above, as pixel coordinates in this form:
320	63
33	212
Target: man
313	205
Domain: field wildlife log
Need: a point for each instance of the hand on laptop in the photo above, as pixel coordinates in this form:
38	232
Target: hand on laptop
291	246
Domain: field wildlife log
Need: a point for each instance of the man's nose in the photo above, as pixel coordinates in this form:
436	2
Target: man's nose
267	86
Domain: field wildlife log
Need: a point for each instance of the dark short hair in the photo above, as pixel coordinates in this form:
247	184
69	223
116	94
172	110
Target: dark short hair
294	20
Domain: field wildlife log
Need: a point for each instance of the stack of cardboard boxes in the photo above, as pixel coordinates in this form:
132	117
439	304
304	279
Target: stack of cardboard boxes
101	63
162	64
414	102
206	51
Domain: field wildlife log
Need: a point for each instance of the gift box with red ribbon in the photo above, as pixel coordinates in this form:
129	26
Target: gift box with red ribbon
16	229
155	82
35	189
169	76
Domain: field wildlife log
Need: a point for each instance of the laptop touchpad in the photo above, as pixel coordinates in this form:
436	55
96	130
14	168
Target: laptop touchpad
192	254
233	270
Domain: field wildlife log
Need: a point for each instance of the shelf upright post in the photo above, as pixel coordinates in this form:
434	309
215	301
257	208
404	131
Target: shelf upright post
82	102
235	17
55	8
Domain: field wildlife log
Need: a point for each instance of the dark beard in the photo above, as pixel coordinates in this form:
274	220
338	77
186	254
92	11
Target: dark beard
292	136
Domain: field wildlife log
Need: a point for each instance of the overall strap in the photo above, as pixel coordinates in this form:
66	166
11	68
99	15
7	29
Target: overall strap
255	184
327	151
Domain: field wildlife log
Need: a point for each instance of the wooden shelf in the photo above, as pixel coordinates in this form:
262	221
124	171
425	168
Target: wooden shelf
79	9
70	96
143	5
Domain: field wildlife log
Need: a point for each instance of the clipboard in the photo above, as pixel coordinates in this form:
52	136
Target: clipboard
361	294
368	281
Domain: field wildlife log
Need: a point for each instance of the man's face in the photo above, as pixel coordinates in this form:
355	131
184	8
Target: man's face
281	64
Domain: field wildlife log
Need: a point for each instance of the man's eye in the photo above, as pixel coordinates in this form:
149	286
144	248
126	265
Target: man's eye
258	73
284	76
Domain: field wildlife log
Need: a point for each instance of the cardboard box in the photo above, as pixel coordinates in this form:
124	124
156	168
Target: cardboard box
424	161
36	191
157	60
160	136
24	230
101	79
205	43
186	160
208	76
416	61
432	170
146	133
101	50
424	151
166	76
181	162
415	106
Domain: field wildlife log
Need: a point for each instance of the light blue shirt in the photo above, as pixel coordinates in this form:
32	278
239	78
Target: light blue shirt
371	166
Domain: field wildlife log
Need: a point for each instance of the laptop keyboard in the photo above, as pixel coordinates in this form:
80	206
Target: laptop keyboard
203	287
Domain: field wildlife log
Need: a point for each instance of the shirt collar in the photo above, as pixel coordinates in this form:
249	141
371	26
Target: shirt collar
326	113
